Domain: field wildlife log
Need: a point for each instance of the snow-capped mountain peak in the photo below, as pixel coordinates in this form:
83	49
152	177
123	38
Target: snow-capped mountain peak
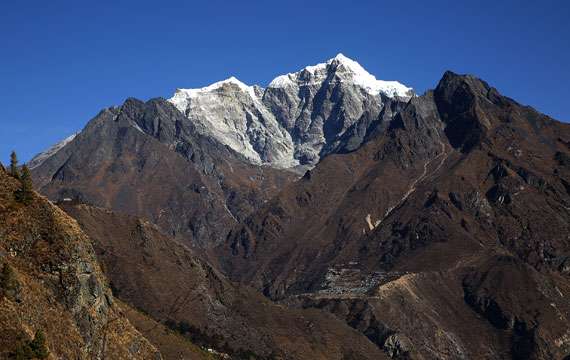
283	125
275	126
368	81
232	112
181	96
347	70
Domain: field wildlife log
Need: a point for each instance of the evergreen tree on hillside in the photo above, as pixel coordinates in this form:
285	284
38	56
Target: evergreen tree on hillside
14	165
27	186
38	345
34	349
25	193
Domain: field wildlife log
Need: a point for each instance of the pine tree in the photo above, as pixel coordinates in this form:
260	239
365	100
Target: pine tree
25	193
23	352
14	165
27	185
34	349
39	346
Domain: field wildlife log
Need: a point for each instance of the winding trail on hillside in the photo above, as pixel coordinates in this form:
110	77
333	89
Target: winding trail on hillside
443	155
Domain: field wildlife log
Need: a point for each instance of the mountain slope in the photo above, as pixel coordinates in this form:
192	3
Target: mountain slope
465	188
52	283
171	344
43	156
228	142
166	280
147	159
423	219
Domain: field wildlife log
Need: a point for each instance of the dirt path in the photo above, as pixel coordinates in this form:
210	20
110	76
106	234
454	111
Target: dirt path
443	155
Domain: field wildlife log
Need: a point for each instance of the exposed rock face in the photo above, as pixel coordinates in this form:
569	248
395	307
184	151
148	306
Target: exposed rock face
166	280
330	107
57	287
299	118
147	159
464	183
233	113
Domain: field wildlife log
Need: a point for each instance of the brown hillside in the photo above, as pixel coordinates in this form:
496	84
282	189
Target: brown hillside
455	221
54	285
166	280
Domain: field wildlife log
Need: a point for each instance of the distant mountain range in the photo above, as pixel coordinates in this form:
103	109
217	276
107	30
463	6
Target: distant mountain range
329	215
234	145
299	118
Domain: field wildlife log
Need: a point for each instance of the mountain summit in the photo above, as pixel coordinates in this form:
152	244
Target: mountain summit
234	145
234	114
299	118
346	70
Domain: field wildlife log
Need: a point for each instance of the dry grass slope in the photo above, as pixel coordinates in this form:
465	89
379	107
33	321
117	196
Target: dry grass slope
57	286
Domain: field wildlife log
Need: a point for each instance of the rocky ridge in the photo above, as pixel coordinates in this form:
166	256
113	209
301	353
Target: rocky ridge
299	118
152	162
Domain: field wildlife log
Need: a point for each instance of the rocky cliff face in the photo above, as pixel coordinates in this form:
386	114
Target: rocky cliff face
331	107
233	113
52	283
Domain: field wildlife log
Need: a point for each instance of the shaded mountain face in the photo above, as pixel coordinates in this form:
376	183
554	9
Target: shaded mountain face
463	203
147	159
171	344
50	282
168	282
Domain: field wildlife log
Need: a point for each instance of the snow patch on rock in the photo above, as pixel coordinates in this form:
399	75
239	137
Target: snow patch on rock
43	156
183	94
232	112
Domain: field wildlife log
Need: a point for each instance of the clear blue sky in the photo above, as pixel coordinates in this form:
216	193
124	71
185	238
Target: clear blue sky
63	61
